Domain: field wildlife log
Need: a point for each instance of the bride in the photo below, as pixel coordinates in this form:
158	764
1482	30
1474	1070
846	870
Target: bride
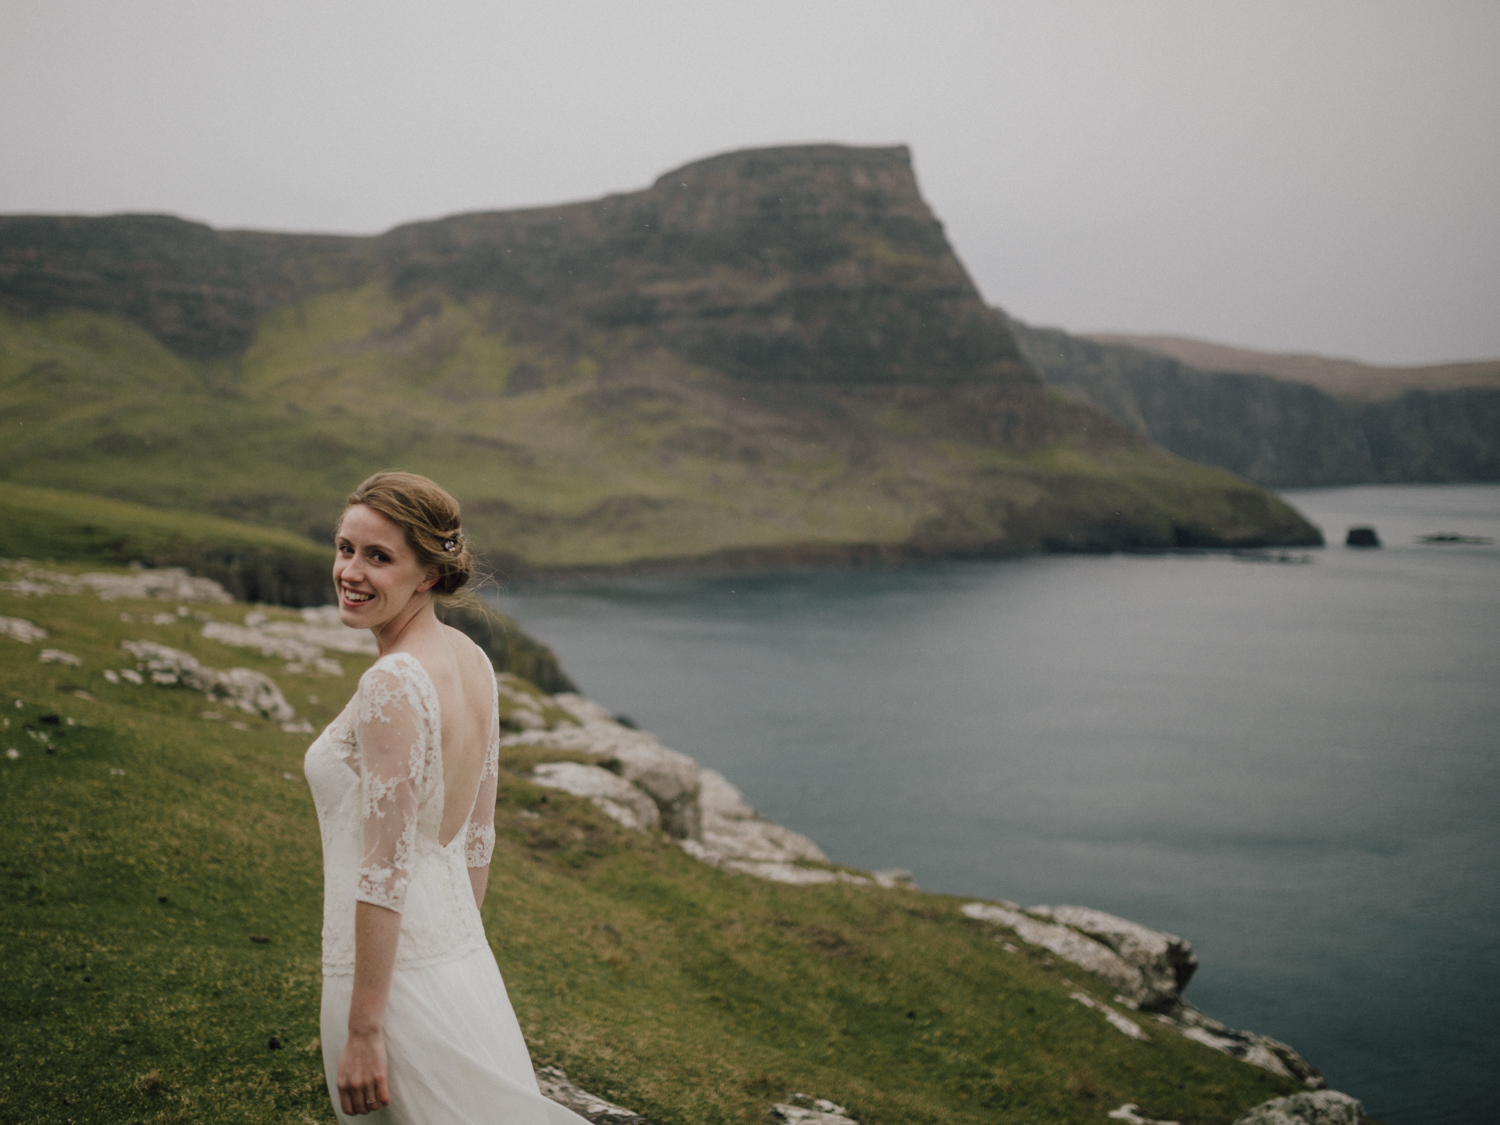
416	1024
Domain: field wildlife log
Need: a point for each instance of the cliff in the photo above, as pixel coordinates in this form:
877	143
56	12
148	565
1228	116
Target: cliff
1275	430
766	356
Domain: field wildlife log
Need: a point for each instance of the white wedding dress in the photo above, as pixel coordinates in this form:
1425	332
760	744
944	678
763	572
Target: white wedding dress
455	1052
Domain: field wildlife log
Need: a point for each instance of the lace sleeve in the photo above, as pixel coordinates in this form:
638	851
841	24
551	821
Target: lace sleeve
389	735
481	839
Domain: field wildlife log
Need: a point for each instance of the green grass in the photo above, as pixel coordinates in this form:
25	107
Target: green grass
686	993
46	523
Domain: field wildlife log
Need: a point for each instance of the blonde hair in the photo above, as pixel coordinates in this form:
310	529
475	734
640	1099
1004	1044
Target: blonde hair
429	519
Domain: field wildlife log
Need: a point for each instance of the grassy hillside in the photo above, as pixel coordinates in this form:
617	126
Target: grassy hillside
254	563
584	467
151	849
771	354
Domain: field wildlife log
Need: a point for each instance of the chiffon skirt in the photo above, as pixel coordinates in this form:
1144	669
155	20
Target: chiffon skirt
454	1050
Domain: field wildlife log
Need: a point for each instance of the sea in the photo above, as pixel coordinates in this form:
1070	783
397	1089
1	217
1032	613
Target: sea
1290	758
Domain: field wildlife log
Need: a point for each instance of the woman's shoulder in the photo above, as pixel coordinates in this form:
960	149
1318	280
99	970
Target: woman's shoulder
462	643
396	678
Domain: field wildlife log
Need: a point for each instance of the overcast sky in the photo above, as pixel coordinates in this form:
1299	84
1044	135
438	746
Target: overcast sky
1297	176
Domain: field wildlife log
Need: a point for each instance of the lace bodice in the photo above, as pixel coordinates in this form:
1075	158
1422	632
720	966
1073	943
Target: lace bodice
376	775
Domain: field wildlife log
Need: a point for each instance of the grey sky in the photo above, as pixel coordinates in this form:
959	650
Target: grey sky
1306	175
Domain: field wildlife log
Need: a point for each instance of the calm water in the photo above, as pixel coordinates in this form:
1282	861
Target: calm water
1297	767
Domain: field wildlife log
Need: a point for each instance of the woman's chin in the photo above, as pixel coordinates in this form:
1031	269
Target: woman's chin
355	615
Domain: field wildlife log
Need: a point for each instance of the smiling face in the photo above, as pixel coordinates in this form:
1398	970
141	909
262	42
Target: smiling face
375	571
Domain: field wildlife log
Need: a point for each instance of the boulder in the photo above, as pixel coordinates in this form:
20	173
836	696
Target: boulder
1166	963
670	779
556	1085
1323	1107
243	687
1149	968
736	831
21	630
1066	943
800	1109
616	797
1247	1046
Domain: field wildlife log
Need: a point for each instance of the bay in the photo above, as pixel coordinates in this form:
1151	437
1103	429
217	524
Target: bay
1289	758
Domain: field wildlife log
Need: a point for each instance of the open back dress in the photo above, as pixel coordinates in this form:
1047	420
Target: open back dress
455	1053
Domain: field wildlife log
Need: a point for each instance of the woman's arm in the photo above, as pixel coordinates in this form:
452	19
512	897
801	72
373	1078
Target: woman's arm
390	735
362	1067
479	878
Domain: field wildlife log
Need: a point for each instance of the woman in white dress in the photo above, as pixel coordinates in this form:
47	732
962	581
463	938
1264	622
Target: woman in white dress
416	1024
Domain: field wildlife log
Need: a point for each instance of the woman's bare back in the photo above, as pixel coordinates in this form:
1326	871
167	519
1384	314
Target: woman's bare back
465	684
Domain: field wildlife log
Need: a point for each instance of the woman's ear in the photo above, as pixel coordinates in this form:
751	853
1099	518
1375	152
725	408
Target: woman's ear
430	581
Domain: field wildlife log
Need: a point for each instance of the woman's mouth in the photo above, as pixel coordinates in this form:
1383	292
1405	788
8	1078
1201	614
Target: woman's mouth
355	597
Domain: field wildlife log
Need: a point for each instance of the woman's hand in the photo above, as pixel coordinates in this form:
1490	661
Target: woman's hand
361	1074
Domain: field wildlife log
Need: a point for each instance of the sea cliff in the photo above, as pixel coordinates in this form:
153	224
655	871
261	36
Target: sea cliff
765	357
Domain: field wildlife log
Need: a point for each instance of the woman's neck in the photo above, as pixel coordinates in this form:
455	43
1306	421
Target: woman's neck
405	624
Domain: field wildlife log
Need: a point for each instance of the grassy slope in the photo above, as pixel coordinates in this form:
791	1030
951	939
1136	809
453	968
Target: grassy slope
47	523
684	992
588	467
266	564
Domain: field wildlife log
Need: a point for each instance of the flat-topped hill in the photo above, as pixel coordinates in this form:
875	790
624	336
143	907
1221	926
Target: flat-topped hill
1344	378
770	355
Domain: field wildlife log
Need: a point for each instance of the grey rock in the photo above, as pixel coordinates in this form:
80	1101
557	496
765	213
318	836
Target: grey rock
670	779
1120	1023
800	1109
555	1084
1247	1046
611	793
245	688
1324	1107
1066	943
735	831
19	630
1146	976
1166	962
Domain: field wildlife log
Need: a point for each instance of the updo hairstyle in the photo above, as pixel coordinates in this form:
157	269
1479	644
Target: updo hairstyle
428	517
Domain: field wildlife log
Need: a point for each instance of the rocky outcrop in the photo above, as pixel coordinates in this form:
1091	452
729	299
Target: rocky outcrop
1324	1107
801	1109
617	798
1278	433
245	688
670	780
555	1084
1165	963
19	629
167	584
1149	969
